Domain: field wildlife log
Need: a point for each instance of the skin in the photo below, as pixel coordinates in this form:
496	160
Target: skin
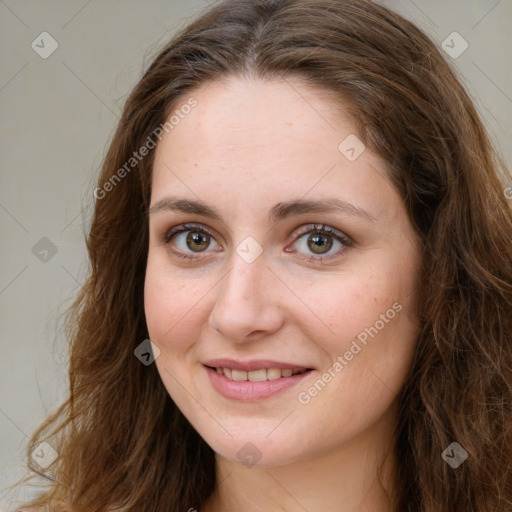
247	145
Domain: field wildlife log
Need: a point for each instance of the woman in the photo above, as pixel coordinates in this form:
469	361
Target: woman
301	209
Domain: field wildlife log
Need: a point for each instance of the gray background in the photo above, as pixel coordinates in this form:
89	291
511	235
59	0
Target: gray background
56	118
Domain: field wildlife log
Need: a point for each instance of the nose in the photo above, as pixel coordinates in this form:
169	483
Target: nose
247	304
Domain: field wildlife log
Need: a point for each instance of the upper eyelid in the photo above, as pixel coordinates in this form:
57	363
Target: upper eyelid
188	226
311	227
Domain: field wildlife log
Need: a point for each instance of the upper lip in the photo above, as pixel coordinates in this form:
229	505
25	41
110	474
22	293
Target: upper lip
255	364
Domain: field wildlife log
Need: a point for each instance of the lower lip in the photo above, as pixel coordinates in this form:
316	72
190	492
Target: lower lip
247	390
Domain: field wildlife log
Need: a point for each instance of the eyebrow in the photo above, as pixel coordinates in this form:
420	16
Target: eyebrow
278	212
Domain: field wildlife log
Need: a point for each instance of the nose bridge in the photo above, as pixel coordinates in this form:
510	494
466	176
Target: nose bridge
244	303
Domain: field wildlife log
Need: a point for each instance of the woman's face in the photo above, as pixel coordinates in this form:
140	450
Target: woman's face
275	283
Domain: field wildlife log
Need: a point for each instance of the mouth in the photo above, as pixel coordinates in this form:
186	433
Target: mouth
258	375
255	380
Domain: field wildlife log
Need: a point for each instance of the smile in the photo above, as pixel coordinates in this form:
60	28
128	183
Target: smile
253	385
258	375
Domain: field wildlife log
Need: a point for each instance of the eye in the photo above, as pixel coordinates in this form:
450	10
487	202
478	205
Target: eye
320	240
189	239
192	239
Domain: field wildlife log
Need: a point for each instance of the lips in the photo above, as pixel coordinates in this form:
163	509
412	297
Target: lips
253	380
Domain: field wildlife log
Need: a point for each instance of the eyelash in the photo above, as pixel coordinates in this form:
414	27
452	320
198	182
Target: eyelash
303	230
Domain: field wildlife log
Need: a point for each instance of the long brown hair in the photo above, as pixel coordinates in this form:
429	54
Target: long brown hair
122	442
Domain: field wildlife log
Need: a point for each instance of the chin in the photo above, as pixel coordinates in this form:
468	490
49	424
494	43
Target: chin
256	451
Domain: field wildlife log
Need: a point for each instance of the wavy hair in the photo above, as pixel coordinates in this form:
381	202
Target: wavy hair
122	442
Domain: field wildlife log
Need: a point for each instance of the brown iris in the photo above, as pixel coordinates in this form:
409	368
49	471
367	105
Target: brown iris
201	240
318	241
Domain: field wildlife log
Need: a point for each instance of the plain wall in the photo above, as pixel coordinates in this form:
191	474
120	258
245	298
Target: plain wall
56	119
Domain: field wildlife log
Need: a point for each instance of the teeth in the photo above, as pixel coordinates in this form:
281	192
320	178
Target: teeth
273	373
258	375
238	375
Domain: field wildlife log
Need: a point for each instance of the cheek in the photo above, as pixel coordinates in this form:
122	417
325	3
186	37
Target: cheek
340	307
176	304
366	318
168	305
171	310
373	353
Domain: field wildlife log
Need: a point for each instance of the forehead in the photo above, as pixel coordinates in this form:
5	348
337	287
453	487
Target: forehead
249	112
249	139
